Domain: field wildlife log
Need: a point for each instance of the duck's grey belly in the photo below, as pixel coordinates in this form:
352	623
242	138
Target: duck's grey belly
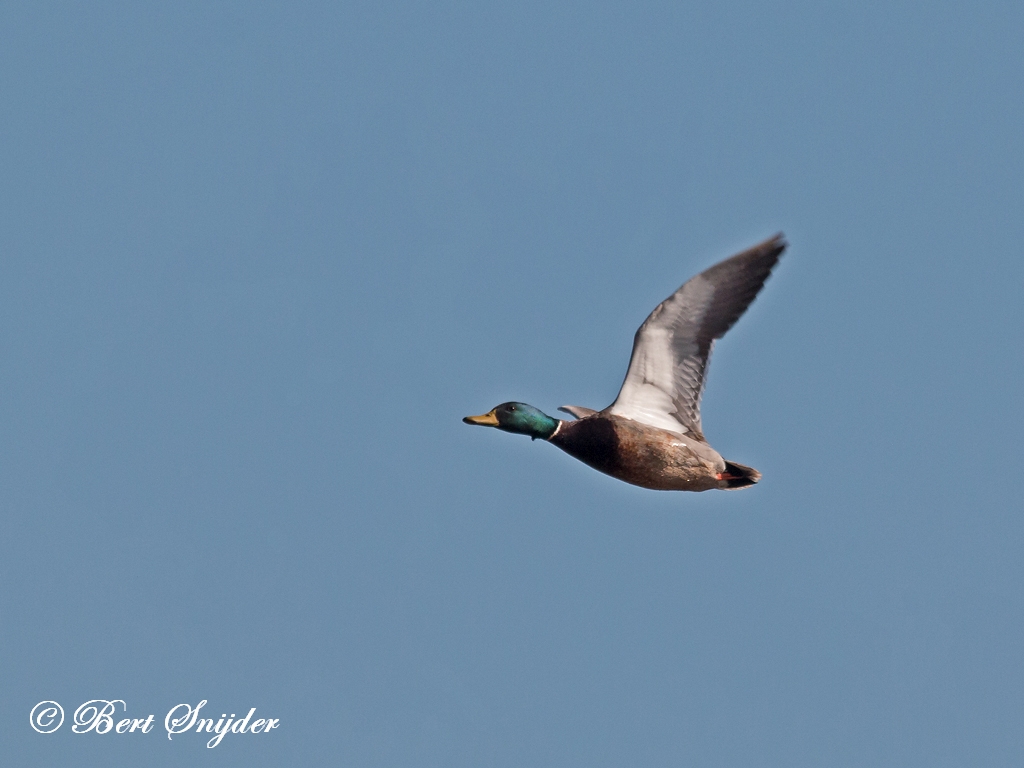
641	455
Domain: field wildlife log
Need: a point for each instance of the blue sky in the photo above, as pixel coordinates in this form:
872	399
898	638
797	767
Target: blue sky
260	259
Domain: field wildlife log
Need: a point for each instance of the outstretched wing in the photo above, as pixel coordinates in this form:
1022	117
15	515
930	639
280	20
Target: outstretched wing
671	349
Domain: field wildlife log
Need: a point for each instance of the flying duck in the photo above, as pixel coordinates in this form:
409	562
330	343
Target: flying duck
651	435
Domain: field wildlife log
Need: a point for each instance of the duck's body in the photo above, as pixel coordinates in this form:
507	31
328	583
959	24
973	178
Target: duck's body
647	456
651	435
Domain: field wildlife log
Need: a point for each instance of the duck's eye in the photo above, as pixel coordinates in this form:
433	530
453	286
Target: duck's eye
511	407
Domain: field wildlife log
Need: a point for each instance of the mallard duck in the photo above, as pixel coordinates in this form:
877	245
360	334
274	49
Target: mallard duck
651	435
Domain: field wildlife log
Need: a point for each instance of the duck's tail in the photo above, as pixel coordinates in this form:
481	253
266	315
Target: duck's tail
738	476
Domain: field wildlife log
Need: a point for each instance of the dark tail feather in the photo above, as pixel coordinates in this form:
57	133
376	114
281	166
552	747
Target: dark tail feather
739	476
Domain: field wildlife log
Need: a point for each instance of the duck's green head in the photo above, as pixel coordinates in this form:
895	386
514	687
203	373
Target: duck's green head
520	418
